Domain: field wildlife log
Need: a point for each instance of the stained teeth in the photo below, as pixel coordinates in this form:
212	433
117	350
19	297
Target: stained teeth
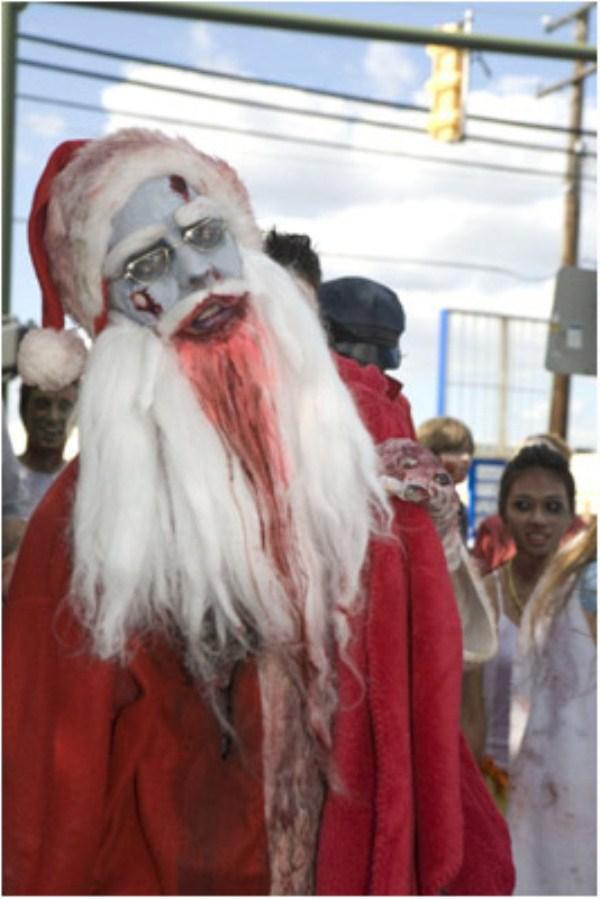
210	310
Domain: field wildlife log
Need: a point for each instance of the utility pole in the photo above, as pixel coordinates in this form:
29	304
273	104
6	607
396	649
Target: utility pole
10	12
559	408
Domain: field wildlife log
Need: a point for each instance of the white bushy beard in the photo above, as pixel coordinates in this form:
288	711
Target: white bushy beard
169	531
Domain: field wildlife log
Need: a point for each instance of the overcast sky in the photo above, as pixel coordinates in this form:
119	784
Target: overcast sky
442	235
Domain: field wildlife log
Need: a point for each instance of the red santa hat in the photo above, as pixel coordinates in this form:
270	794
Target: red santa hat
84	184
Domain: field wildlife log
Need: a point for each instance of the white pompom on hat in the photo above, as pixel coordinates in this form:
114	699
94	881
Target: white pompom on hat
84	184
51	359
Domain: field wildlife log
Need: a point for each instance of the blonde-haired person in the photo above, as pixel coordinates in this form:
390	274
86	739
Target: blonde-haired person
552	807
452	442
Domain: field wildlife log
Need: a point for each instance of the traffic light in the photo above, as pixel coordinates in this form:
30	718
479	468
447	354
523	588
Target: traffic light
445	88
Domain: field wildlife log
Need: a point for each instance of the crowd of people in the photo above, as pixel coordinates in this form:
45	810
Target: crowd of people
248	649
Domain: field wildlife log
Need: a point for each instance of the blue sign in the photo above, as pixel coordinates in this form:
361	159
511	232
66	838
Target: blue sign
483	483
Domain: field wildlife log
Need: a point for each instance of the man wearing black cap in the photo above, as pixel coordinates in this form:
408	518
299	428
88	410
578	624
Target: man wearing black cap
365	320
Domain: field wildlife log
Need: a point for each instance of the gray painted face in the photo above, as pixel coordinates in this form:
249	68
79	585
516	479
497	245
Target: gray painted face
166	242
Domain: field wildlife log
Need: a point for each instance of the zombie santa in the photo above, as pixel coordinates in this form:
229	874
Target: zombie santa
231	667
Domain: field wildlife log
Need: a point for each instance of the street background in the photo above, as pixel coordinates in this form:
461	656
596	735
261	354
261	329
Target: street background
475	225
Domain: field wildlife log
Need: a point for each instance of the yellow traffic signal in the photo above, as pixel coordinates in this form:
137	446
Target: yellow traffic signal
445	88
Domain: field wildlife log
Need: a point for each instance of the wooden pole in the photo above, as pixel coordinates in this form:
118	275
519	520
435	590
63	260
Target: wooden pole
561	387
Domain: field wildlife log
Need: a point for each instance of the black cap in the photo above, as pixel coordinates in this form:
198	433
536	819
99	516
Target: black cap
365	320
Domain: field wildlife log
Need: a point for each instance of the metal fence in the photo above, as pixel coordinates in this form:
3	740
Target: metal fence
492	375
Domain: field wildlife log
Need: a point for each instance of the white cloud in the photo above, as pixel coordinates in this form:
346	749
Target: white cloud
46	125
207	54
201	38
389	69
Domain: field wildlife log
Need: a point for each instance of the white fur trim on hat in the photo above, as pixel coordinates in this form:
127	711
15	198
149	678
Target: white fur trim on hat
95	185
51	359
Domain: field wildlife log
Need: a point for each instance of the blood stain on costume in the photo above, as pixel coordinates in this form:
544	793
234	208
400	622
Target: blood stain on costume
142	300
179	186
232	382
549	791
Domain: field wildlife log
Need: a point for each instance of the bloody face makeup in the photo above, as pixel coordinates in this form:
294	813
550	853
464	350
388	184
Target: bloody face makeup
537	512
167	241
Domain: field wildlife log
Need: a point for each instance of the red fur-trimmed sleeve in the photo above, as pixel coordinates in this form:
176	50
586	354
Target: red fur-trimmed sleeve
57	718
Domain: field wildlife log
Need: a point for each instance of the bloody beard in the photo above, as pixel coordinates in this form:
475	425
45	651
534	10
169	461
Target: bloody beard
226	484
234	384
219	353
231	379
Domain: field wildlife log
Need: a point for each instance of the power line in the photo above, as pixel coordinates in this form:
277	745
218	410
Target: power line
145	60
233	101
439	263
311	113
313	142
227	76
404	260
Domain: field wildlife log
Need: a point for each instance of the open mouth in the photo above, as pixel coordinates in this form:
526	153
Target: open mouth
416	493
537	538
216	315
51	436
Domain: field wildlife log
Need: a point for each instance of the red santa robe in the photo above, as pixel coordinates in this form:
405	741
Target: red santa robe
116	784
114	779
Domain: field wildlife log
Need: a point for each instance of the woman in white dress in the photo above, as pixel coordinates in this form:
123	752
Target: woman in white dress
552	806
535	700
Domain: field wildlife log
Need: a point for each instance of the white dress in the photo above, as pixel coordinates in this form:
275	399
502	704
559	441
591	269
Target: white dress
497	682
552	806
